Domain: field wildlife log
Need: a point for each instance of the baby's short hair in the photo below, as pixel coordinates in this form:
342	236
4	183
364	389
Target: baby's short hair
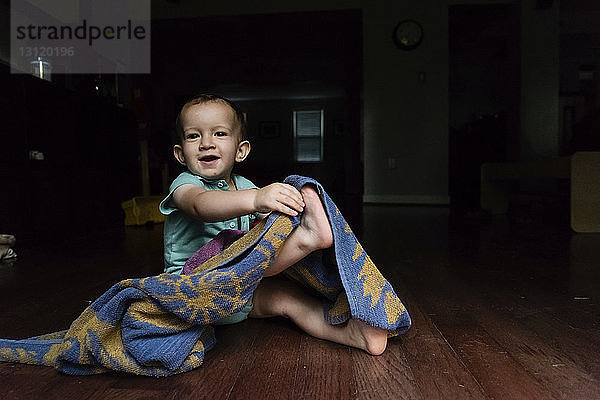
210	98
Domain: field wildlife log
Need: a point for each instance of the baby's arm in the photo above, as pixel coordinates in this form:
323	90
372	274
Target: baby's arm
217	205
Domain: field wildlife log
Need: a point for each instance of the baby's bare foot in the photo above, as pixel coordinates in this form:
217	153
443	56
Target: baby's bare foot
314	229
369	338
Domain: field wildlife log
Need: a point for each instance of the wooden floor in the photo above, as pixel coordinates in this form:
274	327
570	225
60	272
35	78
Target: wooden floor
507	310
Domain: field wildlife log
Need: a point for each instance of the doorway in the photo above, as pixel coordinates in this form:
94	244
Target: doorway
484	79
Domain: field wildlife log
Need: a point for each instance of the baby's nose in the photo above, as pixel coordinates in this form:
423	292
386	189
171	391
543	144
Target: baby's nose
206	142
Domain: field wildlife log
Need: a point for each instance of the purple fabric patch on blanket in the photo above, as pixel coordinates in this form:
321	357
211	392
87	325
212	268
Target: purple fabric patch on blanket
216	246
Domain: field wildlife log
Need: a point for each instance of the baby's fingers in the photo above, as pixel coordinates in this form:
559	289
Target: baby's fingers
292	202
294	196
285	209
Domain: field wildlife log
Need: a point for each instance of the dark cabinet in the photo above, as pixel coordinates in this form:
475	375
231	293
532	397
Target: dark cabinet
67	160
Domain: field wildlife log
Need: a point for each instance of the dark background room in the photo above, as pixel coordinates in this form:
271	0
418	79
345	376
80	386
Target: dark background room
468	166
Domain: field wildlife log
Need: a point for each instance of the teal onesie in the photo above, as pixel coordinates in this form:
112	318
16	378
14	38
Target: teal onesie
184	235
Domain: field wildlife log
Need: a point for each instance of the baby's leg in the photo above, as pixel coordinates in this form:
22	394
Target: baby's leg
280	297
313	233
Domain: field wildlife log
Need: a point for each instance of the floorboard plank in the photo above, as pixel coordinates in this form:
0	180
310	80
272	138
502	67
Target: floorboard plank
25	382
324	371
270	370
387	376
438	371
67	387
217	376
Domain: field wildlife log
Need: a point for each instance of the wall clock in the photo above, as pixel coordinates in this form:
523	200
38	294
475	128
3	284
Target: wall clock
408	34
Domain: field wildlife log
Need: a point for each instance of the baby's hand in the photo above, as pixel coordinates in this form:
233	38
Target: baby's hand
279	197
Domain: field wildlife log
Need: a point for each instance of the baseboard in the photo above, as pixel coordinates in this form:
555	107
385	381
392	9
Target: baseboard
406	199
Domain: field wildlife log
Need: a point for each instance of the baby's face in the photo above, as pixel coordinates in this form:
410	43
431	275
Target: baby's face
211	140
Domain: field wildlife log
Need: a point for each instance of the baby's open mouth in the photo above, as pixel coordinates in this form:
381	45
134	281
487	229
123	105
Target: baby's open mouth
209	158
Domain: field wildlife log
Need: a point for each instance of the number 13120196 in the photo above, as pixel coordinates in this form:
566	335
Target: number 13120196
47	51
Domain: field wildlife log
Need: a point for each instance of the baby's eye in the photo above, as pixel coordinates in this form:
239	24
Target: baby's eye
191	136
220	133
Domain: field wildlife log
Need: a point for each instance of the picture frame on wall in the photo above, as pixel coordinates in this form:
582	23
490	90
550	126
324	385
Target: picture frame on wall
269	129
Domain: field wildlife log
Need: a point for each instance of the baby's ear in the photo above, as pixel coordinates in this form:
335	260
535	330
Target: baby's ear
242	151
178	153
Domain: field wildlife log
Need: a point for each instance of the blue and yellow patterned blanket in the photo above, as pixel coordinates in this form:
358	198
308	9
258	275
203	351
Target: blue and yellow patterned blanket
161	325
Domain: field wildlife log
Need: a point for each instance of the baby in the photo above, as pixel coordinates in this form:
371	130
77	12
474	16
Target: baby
208	198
